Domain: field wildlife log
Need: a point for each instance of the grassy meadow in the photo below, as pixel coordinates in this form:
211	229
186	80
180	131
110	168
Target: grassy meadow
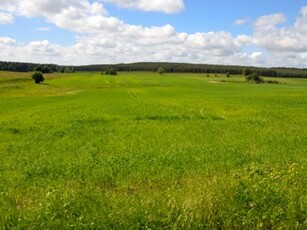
143	151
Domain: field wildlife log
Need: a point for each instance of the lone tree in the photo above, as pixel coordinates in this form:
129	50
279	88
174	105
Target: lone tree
161	70
227	74
38	77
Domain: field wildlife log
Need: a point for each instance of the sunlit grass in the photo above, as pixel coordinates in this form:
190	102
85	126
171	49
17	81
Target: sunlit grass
144	151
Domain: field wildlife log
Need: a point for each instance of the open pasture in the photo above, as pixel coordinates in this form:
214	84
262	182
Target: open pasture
139	150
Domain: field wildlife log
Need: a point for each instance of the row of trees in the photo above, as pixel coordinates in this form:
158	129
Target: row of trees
154	66
200	68
178	68
28	67
53	69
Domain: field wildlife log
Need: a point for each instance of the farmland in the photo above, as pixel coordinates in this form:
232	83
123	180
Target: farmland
139	150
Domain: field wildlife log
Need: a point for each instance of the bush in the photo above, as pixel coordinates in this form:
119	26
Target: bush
246	71
111	71
254	77
272	81
38	77
161	70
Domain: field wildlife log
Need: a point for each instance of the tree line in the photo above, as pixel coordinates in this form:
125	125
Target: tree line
154	66
29	67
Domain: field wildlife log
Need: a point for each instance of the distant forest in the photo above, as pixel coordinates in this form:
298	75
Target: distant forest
153	67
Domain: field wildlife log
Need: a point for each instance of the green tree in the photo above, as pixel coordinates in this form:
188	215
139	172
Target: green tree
111	71
254	77
227	74
38	68
161	70
38	77
69	69
45	69
246	71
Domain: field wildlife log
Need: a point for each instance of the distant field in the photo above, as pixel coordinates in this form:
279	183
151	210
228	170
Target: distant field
143	151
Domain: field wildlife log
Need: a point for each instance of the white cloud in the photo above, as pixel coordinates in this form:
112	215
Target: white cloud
101	38
76	15
36	51
219	43
115	41
285	45
269	21
165	6
7	41
56	8
8	5
6	18
301	23
241	22
256	55
243	40
285	39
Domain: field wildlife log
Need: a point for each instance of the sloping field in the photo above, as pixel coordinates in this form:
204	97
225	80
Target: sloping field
138	151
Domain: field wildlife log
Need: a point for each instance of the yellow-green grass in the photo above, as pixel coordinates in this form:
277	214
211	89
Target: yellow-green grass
139	150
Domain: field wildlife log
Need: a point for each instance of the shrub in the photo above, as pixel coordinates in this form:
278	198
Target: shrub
111	71
272	81
246	71
161	70
254	77
38	77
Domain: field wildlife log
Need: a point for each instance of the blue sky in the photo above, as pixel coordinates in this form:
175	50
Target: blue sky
211	15
259	33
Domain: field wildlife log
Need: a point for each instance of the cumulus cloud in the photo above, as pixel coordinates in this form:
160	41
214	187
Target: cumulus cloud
256	55
241	22
285	39
243	40
301	23
6	18
8	5
116	41
76	15
269	21
162	43
285	45
7	41
219	43
101	38
35	51
166	6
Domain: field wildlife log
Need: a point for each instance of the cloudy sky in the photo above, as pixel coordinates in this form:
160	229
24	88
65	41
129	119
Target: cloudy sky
243	32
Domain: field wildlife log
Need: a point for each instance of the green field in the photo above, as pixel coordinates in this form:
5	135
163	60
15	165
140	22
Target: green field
143	151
